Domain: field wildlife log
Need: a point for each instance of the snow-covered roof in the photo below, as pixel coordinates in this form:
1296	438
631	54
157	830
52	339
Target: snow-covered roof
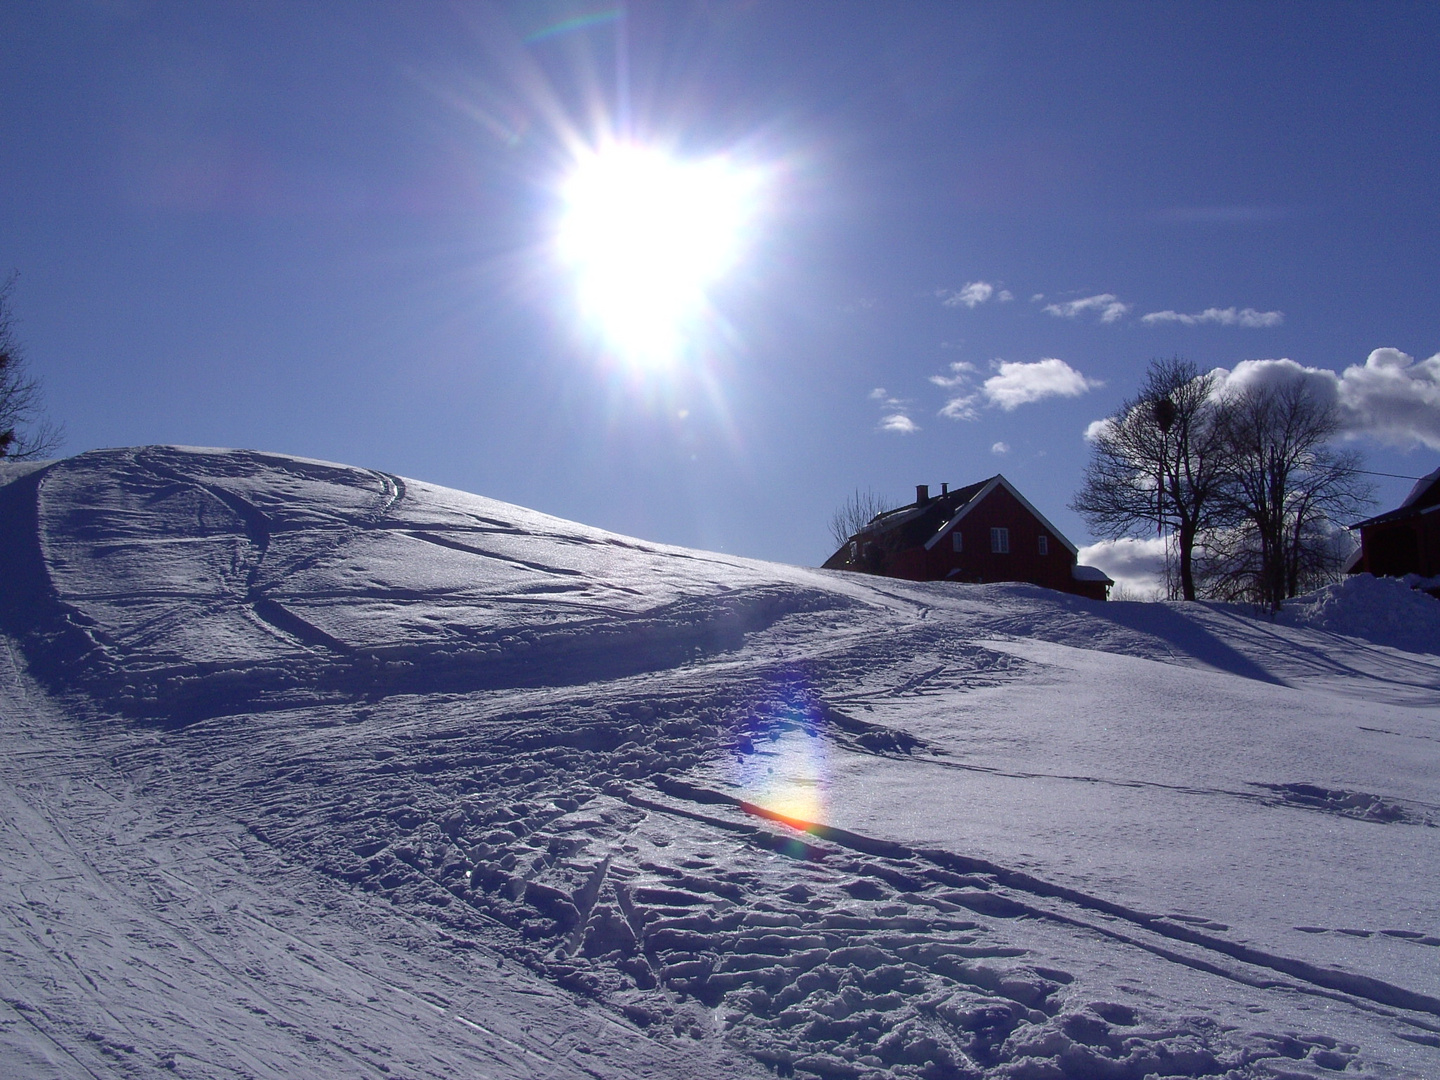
1424	498
893	519
1421	487
1090	573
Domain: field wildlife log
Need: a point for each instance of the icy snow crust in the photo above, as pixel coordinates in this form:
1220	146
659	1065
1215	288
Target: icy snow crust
308	770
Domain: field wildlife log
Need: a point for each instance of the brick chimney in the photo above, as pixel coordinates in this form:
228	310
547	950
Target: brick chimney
922	494
944	489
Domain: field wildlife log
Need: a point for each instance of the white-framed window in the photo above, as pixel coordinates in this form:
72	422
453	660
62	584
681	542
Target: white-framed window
1000	540
854	550
957	542
1044	544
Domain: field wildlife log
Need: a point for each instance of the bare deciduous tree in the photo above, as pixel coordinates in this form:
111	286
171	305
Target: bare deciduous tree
1157	462
1286	487
24	433
854	514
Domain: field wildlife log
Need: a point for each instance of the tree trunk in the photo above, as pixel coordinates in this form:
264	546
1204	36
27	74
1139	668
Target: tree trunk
1186	540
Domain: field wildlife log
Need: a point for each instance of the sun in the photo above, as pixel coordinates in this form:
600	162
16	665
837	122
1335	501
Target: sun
647	236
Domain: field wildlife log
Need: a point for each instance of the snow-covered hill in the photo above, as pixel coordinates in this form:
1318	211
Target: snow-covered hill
308	770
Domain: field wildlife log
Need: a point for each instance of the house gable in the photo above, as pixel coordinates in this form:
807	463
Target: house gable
995	481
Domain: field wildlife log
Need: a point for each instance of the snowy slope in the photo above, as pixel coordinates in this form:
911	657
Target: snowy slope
311	770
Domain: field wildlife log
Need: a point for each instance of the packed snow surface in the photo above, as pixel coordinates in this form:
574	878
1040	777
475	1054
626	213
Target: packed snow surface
308	770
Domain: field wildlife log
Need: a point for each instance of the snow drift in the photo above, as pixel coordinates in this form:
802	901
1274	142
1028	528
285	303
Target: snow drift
313	770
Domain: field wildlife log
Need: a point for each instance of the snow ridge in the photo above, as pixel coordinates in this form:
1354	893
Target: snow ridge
184	585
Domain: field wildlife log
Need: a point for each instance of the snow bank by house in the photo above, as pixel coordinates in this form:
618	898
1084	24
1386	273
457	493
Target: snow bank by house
320	771
1386	611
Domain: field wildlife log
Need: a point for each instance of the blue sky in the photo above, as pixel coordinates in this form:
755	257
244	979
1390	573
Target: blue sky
325	229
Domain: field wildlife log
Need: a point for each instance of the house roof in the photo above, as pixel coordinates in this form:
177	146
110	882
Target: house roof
1424	497
945	504
930	522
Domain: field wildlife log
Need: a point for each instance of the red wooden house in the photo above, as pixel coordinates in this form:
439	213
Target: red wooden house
986	532
1405	540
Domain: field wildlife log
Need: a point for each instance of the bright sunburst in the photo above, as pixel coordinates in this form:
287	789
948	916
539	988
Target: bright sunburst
647	236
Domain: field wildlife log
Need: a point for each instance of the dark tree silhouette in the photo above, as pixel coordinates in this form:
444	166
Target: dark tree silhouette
1158	461
24	433
1285	486
854	514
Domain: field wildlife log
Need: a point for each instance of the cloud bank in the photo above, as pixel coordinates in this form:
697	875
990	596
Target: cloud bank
1109	308
1390	397
1246	317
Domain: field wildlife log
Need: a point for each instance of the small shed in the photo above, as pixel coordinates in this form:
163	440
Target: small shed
1405	540
982	533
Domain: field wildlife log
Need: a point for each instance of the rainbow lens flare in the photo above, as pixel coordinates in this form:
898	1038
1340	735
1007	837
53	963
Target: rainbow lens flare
782	762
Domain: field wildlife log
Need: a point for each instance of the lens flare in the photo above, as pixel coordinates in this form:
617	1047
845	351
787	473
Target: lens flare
647	235
782	763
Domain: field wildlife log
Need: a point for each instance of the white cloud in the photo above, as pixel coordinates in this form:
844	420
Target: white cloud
961	407
973	294
1037	298
1004	296
1390	397
1096	428
1000	448
1246	317
1015	384
1393	398
1266	374
898	424
1019	383
886	399
896	420
1137	566
1109	307
959	375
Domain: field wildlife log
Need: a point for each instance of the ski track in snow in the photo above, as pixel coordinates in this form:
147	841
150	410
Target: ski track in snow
318	771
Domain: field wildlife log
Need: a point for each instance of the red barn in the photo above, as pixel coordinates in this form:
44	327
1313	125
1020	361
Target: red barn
1405	540
982	533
